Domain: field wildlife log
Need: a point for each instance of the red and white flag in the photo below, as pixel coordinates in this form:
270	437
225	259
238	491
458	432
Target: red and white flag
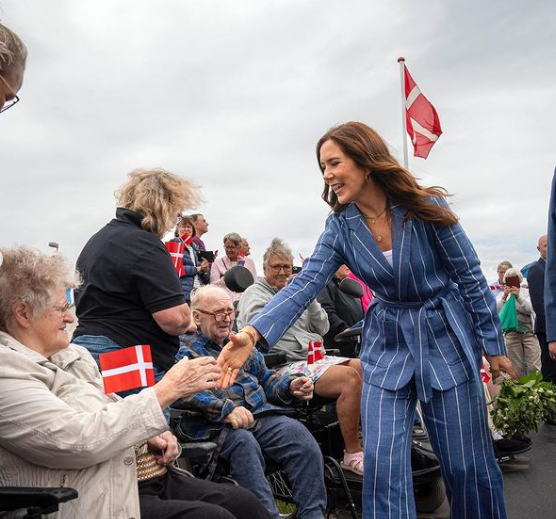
187	239
127	368
310	354
318	350
176	249
496	287
315	352
423	124
485	376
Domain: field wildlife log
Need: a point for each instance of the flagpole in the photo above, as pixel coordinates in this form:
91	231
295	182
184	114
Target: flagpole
401	61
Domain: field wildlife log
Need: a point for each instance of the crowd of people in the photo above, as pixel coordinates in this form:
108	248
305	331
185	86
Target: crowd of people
431	320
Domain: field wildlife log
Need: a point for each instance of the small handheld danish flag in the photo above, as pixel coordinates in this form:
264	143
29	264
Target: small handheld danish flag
176	249
315	352
127	368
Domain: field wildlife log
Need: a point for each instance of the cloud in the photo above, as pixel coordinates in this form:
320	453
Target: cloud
235	94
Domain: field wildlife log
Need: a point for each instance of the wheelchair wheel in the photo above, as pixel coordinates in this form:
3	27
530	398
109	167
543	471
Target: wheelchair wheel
430	495
282	491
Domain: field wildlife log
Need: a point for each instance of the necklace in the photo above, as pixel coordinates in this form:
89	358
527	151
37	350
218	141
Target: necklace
373	219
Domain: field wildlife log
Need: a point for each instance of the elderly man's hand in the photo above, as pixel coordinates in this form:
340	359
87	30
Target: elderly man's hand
500	364
302	388
240	418
233	356
164	447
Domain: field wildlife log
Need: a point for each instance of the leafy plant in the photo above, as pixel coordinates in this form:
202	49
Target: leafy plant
522	404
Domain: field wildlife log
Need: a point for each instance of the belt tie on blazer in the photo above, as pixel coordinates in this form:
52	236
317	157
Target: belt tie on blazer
419	349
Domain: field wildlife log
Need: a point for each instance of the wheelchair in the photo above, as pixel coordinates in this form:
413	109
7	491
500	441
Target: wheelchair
200	457
32	502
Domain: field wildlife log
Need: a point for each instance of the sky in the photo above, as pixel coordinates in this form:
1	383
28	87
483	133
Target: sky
234	95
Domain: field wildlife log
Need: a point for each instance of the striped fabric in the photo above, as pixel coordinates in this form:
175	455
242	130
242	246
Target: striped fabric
432	318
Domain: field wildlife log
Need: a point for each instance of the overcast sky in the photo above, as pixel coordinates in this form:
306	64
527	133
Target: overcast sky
234	94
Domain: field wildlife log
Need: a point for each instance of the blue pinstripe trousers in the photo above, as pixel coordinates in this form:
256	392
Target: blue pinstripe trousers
457	424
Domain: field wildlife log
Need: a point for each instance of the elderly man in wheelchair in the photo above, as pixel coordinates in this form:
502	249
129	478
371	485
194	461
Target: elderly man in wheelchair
251	414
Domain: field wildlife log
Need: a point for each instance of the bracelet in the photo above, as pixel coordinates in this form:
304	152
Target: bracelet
250	333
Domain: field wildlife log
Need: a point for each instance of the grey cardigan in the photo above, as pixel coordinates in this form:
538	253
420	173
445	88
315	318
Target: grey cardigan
312	325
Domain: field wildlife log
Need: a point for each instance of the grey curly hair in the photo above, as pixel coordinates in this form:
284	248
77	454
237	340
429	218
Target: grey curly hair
32	277
13	52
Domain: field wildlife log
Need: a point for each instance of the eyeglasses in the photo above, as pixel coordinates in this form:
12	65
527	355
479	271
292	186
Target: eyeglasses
278	268
220	315
62	309
8	104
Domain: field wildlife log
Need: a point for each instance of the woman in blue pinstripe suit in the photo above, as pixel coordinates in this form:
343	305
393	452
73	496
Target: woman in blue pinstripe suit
431	320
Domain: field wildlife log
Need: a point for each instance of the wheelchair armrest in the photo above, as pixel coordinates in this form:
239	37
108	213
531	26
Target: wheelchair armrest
191	450
275	358
44	499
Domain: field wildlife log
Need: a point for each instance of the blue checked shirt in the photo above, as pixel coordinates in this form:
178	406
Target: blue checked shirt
257	388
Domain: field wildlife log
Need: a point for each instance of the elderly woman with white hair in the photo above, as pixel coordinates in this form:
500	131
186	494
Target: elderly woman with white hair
13	55
234	256
523	347
59	428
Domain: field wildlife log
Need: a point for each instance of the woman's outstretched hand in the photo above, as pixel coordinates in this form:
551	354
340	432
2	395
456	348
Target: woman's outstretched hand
233	357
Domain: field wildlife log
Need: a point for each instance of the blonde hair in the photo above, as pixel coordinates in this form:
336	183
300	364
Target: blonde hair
13	52
32	277
158	196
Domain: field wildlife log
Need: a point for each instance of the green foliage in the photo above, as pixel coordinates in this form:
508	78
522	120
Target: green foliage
522	404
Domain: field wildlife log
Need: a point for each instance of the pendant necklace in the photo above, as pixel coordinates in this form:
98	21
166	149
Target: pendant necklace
373	220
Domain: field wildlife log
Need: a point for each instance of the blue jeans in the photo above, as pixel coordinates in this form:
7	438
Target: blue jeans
97	344
288	443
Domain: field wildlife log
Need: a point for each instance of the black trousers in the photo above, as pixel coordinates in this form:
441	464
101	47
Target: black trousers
548	366
179	496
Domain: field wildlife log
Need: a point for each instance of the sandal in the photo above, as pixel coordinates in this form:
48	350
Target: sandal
353	462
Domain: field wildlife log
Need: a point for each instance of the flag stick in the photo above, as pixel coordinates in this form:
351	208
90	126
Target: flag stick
401	61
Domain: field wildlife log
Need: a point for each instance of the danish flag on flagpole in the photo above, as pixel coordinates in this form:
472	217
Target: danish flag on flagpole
127	368
176	249
422	121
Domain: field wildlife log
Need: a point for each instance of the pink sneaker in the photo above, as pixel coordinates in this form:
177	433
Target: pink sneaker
353	462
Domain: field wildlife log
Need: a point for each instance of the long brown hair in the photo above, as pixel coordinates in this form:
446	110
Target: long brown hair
369	151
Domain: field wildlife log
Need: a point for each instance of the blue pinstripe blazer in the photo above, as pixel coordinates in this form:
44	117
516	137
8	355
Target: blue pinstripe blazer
433	315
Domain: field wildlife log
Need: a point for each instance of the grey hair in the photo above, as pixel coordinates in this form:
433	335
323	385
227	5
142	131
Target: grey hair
32	277
277	248
513	272
233	236
200	294
13	52
504	264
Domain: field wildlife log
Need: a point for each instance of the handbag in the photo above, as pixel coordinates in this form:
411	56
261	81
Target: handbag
508	316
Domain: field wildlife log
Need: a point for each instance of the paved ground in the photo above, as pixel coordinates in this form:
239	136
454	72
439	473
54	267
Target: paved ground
529	479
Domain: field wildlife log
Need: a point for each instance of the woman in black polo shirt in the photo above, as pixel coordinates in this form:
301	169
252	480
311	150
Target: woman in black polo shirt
131	293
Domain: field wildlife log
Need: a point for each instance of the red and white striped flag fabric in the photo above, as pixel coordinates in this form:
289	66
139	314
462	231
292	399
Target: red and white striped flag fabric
318	350
423	124
176	251
127	368
310	354
496	287
187	239
315	352
485	376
